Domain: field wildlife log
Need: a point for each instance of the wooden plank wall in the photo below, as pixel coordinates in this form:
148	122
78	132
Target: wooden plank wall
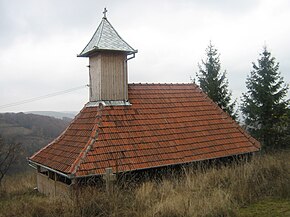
51	187
108	74
95	75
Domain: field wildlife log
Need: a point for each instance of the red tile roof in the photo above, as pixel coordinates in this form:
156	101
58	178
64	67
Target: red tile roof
166	124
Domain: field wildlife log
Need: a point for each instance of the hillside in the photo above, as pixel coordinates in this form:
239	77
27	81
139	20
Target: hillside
60	115
31	131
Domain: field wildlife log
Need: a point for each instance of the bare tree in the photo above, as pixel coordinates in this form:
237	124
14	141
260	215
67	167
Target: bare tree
8	155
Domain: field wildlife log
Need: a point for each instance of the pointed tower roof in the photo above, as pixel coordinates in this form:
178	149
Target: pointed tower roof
106	38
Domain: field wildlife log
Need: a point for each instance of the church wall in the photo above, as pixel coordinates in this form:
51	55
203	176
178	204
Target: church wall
51	187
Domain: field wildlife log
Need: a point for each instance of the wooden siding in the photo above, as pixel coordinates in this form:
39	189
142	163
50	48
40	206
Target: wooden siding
51	187
108	77
95	78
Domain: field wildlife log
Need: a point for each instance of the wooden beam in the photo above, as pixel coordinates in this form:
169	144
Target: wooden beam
109	178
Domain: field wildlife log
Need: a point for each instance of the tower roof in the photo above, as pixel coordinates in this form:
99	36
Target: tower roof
106	38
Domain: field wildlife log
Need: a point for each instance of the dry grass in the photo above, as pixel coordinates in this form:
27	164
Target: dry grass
19	183
213	191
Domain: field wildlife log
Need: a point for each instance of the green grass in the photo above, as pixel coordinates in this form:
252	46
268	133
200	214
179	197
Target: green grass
267	208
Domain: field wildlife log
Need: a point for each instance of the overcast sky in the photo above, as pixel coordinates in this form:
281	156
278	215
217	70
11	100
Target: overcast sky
39	41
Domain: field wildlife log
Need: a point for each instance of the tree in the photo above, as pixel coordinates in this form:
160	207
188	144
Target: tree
8	155
264	106
214	83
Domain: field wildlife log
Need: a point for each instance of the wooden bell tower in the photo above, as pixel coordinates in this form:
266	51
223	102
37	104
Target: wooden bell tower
108	56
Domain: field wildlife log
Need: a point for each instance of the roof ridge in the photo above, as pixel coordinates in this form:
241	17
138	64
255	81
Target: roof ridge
93	137
118	34
59	137
92	38
233	122
101	32
244	132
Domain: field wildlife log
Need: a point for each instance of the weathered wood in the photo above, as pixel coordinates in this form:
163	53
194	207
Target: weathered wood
51	187
108	76
95	75
109	178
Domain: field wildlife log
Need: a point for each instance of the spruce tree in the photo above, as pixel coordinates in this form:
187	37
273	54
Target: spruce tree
213	82
264	106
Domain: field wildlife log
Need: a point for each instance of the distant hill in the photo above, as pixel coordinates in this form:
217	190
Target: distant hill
60	115
31	131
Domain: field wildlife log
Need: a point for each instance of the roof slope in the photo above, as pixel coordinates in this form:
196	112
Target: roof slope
106	38
166	124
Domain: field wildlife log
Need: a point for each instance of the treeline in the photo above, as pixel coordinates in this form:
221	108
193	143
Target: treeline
264	106
29	132
38	125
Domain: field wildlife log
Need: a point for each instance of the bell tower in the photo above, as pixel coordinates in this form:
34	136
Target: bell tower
108	56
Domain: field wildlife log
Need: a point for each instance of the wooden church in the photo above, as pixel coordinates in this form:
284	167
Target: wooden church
131	127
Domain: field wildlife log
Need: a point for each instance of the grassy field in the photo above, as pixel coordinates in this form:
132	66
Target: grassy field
260	187
269	207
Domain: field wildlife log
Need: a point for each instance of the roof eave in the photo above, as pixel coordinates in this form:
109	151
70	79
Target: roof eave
70	176
167	165
96	50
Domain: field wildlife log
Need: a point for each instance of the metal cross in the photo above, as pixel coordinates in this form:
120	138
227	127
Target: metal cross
105	11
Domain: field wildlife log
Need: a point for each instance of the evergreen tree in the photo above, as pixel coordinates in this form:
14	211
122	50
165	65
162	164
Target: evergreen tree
213	82
264	106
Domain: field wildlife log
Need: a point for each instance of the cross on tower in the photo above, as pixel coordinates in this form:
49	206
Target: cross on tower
105	12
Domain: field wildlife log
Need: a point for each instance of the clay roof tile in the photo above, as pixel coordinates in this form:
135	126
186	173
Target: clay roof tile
166	124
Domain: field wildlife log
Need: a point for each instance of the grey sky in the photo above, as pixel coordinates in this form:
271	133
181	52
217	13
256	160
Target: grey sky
40	40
